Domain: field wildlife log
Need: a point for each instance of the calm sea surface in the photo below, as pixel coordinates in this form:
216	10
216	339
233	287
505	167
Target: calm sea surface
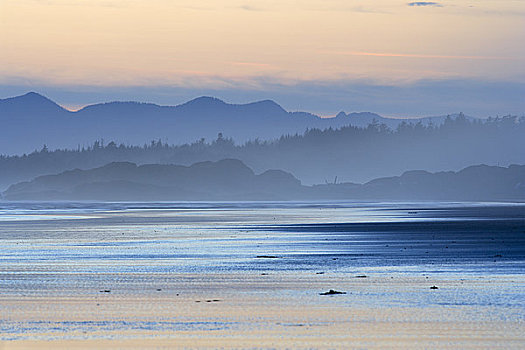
65	248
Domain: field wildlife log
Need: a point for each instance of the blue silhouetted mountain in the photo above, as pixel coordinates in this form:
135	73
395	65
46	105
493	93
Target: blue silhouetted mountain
231	179
29	106
364	119
370	147
351	154
31	121
474	183
227	179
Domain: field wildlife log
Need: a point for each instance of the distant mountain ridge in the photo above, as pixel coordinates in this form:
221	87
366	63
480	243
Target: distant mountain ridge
32	120
230	179
473	183
25	105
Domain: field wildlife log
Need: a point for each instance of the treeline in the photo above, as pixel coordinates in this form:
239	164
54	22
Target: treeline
350	153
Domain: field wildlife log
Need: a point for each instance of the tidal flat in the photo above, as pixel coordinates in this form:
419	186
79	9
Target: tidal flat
256	275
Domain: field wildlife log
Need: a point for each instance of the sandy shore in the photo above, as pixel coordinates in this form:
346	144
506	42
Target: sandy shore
269	311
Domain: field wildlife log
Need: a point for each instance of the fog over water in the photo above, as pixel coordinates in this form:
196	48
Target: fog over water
351	147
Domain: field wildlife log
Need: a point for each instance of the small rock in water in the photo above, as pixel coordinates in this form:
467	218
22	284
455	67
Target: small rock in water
332	292
434	287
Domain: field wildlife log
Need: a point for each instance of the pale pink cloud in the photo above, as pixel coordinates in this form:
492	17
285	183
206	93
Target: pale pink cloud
251	64
407	55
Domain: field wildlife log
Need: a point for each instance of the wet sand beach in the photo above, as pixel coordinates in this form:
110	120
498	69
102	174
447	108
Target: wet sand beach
251	275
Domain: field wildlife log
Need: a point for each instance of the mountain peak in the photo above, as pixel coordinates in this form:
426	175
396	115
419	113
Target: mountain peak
207	101
33	94
30	102
268	106
30	97
34	97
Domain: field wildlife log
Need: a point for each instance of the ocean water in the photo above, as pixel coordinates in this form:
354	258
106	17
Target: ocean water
60	249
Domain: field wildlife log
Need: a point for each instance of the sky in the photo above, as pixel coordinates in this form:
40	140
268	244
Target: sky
398	58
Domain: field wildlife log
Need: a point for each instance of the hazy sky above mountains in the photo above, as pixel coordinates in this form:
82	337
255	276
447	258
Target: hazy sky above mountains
387	56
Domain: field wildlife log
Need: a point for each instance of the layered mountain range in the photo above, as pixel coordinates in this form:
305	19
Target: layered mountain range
32	121
231	179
